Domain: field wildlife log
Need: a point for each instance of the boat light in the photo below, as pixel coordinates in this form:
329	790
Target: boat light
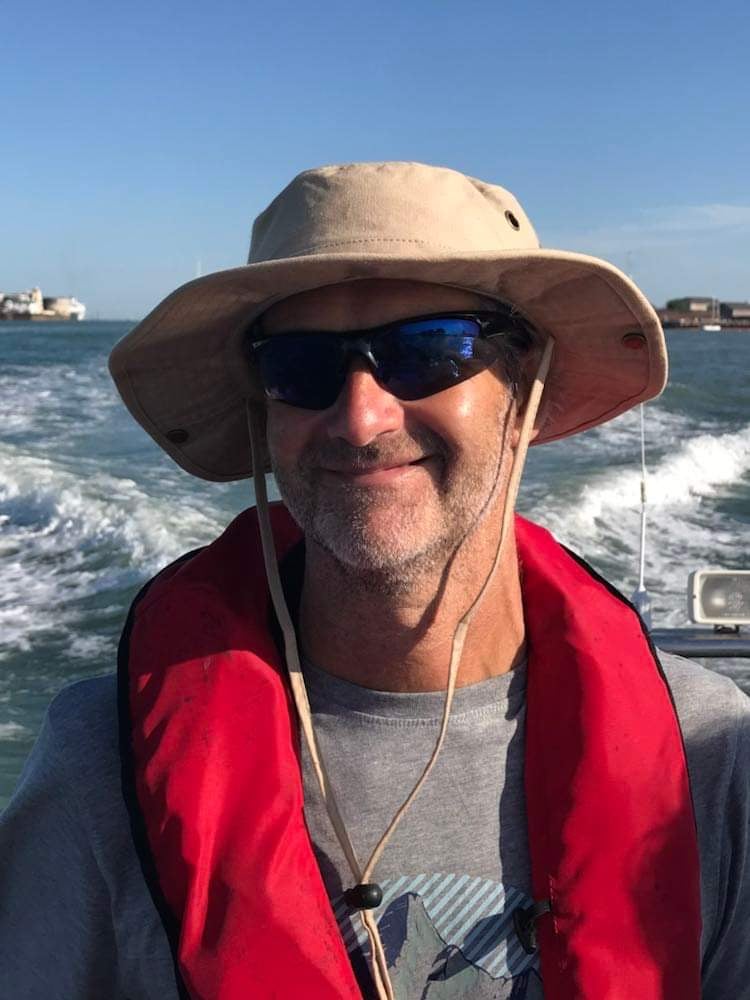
719	597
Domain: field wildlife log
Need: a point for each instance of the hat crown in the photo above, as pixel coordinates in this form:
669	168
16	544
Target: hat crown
389	209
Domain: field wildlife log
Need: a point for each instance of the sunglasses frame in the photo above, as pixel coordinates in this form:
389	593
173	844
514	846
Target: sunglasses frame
493	324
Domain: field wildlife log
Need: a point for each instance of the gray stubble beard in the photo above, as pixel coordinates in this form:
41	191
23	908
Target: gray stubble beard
341	528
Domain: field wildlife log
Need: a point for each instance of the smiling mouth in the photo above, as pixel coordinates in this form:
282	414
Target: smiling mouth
378	473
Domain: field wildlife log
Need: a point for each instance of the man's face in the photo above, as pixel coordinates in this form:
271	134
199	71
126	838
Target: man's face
389	488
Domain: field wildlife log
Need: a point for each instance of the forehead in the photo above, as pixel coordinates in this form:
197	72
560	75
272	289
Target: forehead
360	304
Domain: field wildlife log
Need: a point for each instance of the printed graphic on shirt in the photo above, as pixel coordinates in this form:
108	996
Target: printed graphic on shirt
447	937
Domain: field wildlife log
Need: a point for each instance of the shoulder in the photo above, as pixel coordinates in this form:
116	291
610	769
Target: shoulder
714	718
714	713
79	744
71	785
89	699
84	713
70	875
70	780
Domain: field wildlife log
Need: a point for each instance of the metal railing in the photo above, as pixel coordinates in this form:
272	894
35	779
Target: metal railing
701	642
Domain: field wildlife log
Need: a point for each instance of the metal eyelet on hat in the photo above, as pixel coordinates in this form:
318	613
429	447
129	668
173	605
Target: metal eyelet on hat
512	220
634	341
177	436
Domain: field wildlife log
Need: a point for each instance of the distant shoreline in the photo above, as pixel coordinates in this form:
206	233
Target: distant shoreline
61	320
692	325
697	325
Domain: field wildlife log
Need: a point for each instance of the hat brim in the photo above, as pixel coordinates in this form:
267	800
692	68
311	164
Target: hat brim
183	374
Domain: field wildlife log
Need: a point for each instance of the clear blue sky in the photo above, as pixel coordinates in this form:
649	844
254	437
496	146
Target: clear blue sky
139	138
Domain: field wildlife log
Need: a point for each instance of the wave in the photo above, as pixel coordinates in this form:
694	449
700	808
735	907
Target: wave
69	537
54	399
664	428
12	731
72	533
601	518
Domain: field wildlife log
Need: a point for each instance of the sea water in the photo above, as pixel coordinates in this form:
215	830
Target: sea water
90	507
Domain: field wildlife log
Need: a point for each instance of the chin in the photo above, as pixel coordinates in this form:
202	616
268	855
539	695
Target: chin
368	550
378	536
389	561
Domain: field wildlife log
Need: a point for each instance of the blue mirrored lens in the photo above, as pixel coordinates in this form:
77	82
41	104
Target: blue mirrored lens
454	337
424	357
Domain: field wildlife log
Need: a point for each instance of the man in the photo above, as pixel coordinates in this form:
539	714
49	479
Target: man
395	744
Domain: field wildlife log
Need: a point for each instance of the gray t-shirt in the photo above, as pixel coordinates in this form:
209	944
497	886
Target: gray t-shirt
457	866
77	921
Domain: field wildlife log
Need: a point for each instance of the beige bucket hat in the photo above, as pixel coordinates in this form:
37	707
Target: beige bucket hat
183	371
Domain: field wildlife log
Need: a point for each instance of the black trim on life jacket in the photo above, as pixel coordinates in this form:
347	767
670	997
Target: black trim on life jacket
292	573
127	776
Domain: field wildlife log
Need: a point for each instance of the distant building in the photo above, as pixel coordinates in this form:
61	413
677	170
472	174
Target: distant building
691	304
22	305
700	312
31	305
66	307
735	310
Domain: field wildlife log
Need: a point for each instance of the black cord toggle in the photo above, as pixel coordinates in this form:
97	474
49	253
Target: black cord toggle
524	922
365	896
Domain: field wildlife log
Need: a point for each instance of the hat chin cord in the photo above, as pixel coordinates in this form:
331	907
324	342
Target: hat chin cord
363	874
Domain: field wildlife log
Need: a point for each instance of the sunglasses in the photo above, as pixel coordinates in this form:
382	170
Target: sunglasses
411	359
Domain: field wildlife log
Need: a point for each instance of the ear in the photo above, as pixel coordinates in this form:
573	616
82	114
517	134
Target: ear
536	430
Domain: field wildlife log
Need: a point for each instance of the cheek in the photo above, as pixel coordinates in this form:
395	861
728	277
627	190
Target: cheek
287	432
291	432
464	414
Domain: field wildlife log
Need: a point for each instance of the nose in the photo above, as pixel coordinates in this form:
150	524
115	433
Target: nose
364	409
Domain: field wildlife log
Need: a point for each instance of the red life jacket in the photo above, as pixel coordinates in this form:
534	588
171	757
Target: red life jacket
211	773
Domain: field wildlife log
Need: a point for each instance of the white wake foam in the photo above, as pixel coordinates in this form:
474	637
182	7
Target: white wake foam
622	434
66	537
54	398
685	531
12	731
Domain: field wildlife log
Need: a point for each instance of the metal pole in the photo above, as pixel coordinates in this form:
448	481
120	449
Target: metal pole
641	598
